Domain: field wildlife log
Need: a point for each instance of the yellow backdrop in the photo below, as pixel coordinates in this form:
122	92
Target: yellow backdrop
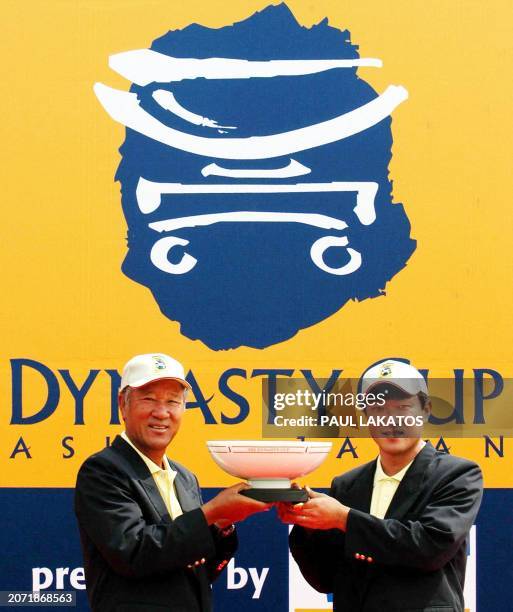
67	305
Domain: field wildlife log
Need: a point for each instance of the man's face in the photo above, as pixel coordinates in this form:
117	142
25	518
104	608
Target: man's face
152	415
397	440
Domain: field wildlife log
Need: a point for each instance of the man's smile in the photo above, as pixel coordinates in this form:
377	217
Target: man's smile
158	427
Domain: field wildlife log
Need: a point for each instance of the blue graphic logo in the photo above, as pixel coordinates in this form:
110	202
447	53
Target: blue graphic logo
254	177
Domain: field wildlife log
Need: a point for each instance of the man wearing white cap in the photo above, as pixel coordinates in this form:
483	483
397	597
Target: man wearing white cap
149	543
392	534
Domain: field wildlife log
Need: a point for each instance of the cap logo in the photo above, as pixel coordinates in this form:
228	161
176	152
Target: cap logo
159	363
386	370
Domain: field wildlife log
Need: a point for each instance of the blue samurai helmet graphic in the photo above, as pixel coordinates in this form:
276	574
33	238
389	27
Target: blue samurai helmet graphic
254	177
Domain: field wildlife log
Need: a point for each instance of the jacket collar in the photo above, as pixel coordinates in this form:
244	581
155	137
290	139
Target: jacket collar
359	494
411	485
140	472
185	491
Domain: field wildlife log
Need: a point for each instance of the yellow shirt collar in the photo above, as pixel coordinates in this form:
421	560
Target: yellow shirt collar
152	466
381	475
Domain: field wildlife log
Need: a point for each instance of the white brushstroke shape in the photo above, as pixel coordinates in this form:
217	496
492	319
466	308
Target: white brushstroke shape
248	216
149	193
319	247
294	168
159	256
167	101
124	107
144	66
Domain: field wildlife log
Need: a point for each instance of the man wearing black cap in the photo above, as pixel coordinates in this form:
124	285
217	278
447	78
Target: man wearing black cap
391	534
149	543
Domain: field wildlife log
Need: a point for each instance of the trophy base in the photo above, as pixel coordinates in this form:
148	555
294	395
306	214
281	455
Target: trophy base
291	496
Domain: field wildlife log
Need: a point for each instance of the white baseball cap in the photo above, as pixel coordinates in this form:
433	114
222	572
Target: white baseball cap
397	373
142	369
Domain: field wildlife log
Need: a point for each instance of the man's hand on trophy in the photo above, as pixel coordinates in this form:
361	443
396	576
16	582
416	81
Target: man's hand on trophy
229	507
319	512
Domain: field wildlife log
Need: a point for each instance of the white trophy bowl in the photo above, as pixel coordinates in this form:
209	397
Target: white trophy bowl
268	465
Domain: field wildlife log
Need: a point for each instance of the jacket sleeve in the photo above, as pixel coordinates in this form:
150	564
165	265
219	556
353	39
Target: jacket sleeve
318	555
429	541
109	514
224	547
